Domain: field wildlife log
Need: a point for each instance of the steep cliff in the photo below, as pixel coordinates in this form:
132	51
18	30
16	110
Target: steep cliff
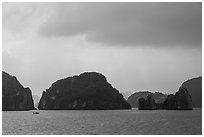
194	86
183	99
14	95
89	90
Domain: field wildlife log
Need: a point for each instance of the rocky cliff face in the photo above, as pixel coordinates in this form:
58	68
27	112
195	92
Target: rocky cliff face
89	90
194	86
14	95
134	98
148	103
181	101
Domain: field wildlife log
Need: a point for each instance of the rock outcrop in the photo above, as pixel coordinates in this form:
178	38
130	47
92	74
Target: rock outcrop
194	86
149	103
183	99
180	101
14	95
88	91
134	98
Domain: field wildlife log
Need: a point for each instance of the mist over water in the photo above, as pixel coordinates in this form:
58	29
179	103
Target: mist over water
117	122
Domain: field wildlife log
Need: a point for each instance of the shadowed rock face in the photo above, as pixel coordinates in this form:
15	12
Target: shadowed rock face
194	86
181	100
14	95
89	90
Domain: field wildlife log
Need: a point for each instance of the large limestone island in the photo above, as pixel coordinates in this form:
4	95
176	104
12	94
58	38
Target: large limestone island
180	101
88	91
14	95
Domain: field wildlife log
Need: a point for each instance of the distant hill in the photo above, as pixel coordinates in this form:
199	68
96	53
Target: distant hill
157	96
126	94
88	91
14	95
194	86
36	99
180	101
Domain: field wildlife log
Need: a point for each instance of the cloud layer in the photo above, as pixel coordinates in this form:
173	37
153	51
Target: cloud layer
128	23
160	43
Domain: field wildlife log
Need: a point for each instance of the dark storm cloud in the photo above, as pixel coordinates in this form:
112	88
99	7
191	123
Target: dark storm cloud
128	23
62	51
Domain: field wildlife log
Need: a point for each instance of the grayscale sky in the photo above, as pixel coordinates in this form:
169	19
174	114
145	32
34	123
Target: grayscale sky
137	46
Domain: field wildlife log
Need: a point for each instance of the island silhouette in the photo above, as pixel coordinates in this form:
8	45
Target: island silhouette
92	91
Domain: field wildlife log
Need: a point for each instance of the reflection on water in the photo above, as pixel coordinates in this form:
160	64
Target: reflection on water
103	122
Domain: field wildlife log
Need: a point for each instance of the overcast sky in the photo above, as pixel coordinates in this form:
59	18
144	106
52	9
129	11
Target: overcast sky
137	46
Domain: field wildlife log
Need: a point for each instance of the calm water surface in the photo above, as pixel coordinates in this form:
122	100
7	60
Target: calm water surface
103	122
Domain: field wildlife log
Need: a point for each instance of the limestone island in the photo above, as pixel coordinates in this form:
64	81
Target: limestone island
182	100
14	96
88	91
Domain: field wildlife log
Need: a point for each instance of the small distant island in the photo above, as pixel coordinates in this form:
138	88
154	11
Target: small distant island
87	91
189	96
157	96
182	100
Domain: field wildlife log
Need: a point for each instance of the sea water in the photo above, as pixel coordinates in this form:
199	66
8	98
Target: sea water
107	122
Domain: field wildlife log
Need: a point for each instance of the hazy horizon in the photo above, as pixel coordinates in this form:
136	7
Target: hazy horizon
137	46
